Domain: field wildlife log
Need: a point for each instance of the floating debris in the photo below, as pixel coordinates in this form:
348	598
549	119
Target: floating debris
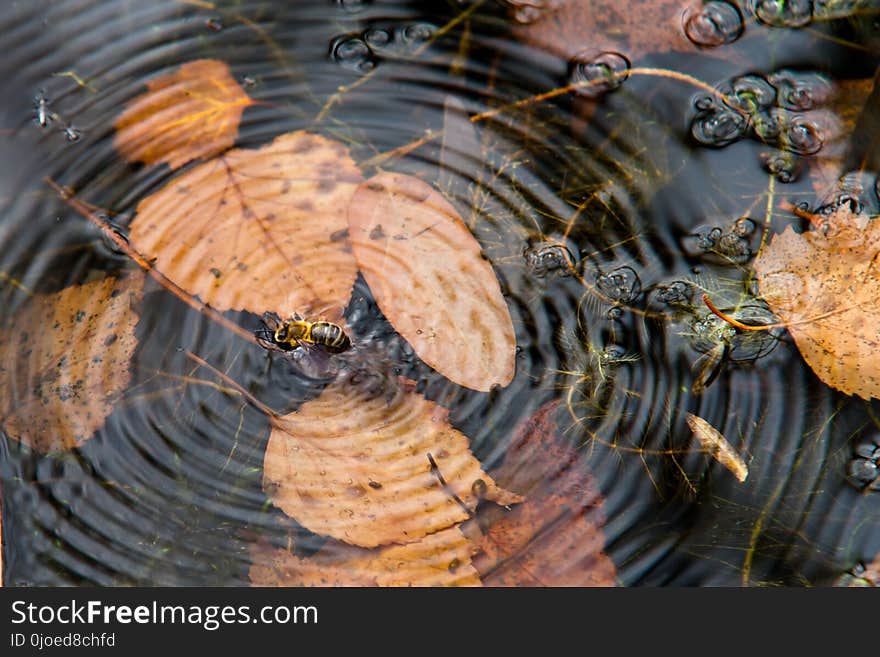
716	445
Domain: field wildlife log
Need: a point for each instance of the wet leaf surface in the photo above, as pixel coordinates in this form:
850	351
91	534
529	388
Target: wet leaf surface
66	360
356	466
823	284
568	27
189	114
427	273
258	230
440	559
555	537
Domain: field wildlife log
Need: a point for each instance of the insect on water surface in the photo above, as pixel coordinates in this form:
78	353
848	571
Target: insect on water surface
298	332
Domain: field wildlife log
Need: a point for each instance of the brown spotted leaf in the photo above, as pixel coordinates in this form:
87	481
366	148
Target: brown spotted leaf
189	114
430	279
65	360
823	284
258	229
555	537
440	559
356	466
569	27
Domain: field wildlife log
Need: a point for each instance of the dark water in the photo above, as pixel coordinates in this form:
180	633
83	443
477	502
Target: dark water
647	183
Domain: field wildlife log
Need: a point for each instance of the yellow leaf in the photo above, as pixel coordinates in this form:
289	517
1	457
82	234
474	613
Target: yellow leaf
189	114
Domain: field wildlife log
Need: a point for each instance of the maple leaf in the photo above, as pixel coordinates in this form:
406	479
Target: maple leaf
367	470
430	279
555	537
189	114
65	360
823	285
258	230
439	559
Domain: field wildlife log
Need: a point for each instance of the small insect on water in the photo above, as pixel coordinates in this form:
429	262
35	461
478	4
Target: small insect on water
41	104
298	332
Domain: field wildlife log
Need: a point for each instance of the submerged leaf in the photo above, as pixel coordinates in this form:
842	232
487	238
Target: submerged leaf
258	230
555	537
440	559
189	114
428	275
358	467
823	285
65	360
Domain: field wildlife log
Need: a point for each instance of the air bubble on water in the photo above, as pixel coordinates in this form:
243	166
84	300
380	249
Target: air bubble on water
622	285
744	226
415	33
863	469
353	53
801	91
798	133
824	10
856	189
377	38
353	6
748	93
550	257
783	13
614	313
597	74
785	167
719	127
713	24
676	293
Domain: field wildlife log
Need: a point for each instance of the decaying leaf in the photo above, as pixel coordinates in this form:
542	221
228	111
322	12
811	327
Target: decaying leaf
568	27
65	359
356	467
429	277
717	446
555	537
440	559
823	285
189	114
258	230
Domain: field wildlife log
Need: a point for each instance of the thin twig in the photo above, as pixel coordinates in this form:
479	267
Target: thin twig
147	266
234	384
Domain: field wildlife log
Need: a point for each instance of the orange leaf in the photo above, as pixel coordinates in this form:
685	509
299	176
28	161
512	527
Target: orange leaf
66	360
823	285
428	275
440	559
189	114
555	537
355	466
257	229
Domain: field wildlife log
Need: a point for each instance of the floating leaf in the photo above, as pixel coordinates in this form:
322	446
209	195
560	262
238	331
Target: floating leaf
356	466
258	230
555	537
65	360
716	444
189	114
429	277
823	285
440	559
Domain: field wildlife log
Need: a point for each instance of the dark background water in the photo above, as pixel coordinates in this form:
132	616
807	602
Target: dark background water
169	491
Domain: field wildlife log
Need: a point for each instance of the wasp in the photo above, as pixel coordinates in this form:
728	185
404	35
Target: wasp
298	332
